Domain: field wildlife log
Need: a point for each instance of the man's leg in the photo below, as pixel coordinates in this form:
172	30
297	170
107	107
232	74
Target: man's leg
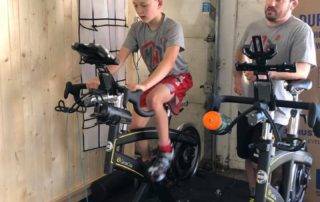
245	136
251	172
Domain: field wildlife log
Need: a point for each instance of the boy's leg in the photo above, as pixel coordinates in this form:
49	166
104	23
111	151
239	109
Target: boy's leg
170	87
155	100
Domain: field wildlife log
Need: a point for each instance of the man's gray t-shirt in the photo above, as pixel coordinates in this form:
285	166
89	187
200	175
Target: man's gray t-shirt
294	41
153	44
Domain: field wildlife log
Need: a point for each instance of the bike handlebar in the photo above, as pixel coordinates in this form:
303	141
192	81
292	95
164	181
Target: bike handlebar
94	54
265	68
313	108
250	100
97	96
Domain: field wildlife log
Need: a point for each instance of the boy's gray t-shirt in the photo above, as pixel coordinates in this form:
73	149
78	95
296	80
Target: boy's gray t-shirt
294	42
152	44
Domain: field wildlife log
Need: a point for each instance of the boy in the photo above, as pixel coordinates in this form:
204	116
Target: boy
160	41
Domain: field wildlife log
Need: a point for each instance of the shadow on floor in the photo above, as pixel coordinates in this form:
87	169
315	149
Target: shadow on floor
205	186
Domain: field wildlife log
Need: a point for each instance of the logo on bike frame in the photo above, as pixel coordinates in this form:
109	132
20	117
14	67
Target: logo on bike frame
109	146
262	177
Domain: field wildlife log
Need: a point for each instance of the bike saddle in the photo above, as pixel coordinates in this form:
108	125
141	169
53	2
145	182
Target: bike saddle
297	86
173	106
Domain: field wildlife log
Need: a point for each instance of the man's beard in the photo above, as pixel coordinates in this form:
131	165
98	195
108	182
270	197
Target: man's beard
271	17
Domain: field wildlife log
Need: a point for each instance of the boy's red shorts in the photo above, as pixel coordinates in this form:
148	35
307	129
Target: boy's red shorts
178	85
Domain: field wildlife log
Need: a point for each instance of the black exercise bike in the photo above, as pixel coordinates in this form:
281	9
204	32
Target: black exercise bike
110	107
290	153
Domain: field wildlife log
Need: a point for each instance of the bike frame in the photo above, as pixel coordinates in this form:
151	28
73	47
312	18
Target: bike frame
264	103
110	107
268	162
116	159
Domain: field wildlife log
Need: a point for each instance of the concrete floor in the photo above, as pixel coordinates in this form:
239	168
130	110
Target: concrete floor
233	173
222	185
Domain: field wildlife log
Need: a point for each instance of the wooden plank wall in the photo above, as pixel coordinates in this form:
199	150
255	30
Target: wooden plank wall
40	158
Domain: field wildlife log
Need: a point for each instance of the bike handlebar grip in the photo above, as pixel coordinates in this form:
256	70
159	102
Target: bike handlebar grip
244	66
74	89
92	101
134	98
107	112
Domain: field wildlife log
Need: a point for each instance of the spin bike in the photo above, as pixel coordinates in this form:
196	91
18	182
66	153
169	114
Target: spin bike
290	153
110	103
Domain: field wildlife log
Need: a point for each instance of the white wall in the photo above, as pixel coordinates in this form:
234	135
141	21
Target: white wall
234	17
196	28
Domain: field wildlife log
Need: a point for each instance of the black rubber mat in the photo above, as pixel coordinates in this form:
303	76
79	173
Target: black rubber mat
205	186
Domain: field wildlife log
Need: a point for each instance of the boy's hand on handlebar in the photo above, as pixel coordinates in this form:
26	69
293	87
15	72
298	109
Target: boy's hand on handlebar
93	83
135	87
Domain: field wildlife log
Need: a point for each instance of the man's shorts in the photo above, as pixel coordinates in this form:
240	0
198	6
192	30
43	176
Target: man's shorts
178	85
247	134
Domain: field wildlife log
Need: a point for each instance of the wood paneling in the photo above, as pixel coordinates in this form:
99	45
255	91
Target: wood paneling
40	150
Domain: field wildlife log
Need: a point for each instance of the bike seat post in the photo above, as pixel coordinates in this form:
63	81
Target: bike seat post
296	88
294	120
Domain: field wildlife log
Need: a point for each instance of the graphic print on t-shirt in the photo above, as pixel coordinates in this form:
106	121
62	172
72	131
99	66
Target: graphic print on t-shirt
151	54
267	42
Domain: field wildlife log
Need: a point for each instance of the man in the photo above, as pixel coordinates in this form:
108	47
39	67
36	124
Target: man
295	45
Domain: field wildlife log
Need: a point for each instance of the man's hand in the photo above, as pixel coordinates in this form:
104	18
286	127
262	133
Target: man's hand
238	88
237	85
250	76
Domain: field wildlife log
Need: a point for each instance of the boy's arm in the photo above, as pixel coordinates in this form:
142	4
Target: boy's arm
122	56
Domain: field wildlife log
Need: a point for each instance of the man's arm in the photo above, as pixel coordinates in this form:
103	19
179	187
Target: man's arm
239	58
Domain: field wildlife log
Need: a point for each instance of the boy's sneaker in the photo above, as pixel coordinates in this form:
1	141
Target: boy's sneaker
157	171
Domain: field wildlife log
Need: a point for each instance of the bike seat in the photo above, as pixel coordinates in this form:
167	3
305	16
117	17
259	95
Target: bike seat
295	87
173	106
